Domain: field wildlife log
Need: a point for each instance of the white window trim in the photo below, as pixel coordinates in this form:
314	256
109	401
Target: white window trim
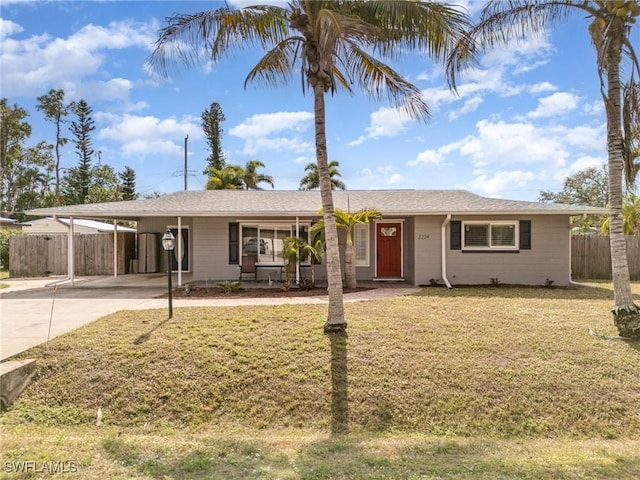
266	225
366	227
515	223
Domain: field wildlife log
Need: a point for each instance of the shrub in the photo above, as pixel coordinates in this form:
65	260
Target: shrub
230	287
5	235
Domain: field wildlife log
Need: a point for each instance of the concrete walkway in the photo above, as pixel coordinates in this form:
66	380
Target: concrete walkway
28	305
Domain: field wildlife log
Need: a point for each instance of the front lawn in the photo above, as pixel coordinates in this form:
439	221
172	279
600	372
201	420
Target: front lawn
469	383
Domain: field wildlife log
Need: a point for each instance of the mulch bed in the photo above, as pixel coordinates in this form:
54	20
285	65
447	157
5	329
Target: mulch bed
216	292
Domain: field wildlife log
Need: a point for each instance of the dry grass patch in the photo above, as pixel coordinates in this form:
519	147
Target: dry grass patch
241	454
489	383
500	363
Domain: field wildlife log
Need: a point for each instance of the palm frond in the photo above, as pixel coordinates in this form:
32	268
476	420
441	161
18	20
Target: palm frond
429	27
378	78
188	37
276	67
502	21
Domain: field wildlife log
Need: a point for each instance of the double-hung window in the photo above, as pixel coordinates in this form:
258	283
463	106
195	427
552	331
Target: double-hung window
361	244
490	235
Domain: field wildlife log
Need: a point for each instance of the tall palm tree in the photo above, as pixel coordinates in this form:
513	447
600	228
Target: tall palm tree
311	180
333	43
610	25
252	178
230	177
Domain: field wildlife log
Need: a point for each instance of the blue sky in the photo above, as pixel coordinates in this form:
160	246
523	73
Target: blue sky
524	119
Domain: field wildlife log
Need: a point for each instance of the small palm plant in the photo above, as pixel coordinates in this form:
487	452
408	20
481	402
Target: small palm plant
347	221
294	250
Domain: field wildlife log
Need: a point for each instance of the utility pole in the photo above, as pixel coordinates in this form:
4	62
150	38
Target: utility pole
185	161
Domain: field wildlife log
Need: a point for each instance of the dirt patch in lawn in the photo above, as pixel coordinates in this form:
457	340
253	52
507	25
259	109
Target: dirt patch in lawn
248	292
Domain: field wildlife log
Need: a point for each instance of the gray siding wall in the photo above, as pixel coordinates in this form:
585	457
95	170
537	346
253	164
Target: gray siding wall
211	250
548	258
426	249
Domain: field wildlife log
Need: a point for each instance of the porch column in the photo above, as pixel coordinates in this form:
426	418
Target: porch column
115	248
180	252
70	253
298	252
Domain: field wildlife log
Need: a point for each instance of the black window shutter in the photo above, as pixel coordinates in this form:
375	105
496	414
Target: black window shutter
234	244
525	234
456	235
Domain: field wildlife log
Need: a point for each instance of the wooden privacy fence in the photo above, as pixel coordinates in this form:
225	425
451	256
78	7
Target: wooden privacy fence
591	257
40	255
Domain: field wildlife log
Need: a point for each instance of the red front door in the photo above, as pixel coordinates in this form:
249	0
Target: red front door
389	250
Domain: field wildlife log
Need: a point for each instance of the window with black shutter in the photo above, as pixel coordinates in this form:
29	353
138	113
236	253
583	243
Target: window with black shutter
456	234
525	234
234	244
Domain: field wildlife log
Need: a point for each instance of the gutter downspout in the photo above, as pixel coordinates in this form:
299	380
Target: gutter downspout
443	244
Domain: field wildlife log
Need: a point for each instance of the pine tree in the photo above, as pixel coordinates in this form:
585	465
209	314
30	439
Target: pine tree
128	188
212	119
55	110
81	130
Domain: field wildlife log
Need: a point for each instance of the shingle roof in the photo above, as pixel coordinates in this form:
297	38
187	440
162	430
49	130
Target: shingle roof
307	203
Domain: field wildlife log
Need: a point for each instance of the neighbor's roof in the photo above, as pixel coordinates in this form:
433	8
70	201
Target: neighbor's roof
278	203
99	226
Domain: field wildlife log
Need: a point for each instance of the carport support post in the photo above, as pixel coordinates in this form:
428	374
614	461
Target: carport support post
70	253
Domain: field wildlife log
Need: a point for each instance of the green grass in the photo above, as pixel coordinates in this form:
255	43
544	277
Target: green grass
470	383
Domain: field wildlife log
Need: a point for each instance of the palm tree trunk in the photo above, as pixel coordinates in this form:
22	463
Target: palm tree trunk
626	315
349	266
335	318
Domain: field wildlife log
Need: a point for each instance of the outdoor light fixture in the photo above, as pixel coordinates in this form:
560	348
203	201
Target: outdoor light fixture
169	243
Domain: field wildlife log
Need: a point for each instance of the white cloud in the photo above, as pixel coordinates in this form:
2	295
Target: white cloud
385	122
543	87
508	143
500	143
521	54
384	173
426	158
557	104
305	159
40	62
148	135
264	132
469	106
595	108
500	181
8	28
582	163
395	179
493	75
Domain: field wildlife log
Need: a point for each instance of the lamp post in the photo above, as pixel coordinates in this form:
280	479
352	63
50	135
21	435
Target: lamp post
169	243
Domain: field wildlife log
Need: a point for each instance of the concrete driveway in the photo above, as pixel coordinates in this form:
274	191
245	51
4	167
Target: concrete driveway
26	306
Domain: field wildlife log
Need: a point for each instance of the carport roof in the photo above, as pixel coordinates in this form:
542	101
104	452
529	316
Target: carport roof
278	203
